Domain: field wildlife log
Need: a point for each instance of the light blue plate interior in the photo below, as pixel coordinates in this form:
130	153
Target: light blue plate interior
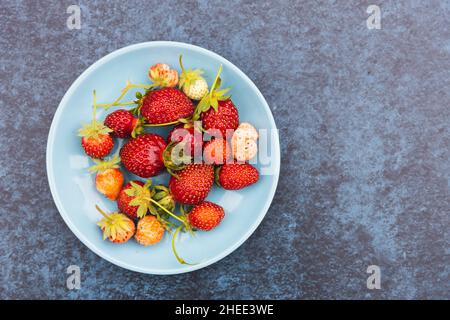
73	187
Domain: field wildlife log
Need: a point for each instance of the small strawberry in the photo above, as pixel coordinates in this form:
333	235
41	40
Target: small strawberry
244	143
192	184
217	151
224	117
236	176
165	105
192	83
162	75
190	136
98	145
109	178
149	231
123	124
95	138
143	155
133	199
206	216
117	227
216	110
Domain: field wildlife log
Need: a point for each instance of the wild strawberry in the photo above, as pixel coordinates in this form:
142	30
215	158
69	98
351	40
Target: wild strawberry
143	155
162	75
217	151
186	133
134	198
192	83
235	176
109	178
224	117
95	138
97	146
117	227
206	216
244	143
192	184
123	124
217	110
165	105
149	231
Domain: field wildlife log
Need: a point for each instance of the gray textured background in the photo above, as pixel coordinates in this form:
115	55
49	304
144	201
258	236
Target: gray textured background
364	118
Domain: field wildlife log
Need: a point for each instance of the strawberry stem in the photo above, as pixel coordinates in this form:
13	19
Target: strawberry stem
94	111
128	86
108	105
181	62
167	211
213	87
161	124
180	260
102	212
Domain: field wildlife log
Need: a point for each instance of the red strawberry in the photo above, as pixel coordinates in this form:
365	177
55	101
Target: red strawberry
123	200
186	134
123	124
95	138
225	118
99	146
235	176
206	216
216	110
192	183
217	151
166	105
143	155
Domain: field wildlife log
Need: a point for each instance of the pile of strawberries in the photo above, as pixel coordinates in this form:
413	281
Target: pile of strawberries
198	113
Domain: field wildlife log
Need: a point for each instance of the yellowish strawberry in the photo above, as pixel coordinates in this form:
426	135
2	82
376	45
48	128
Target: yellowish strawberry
117	227
109	178
149	231
162	75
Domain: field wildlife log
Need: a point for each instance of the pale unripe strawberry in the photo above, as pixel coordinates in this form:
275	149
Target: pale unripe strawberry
245	150
244	143
162	75
192	83
197	89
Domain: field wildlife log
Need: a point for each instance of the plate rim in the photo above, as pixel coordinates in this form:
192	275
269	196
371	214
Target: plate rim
51	177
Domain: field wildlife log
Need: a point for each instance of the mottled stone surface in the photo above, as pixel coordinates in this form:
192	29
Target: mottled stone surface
365	130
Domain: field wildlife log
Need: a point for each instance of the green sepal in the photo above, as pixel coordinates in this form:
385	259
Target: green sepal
93	129
113	223
164	198
189	76
102	165
138	128
168	161
217	175
212	99
142	211
142	195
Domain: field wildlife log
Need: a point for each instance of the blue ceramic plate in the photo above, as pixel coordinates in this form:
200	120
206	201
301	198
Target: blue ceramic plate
73	187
